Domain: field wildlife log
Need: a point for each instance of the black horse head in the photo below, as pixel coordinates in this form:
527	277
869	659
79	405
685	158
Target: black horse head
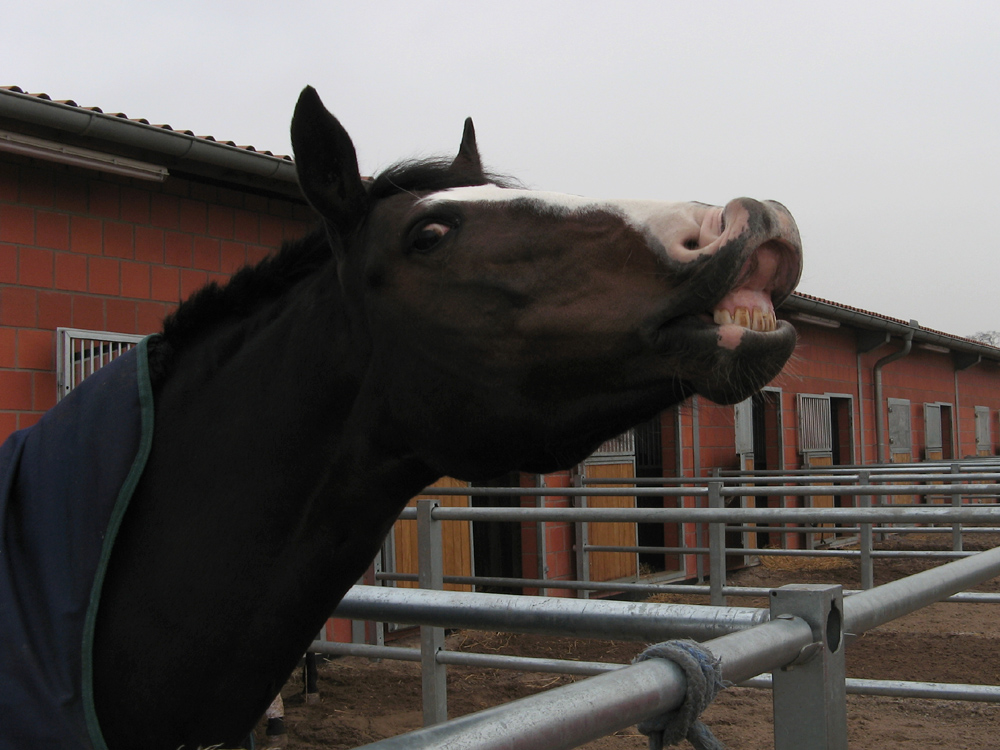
515	329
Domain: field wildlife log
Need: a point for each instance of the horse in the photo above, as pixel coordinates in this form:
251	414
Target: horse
439	321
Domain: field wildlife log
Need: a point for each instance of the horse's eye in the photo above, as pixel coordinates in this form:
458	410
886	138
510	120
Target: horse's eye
428	236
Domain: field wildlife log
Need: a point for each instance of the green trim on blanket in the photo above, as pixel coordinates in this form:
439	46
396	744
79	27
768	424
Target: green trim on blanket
121	505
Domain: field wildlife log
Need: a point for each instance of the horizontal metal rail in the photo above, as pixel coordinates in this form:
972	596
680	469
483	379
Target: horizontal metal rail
943	691
855	686
874	607
758	528
468	659
992	477
966	514
865	489
574	714
623	587
892	529
554	583
581	618
568	491
797	490
961	467
805	476
773	552
727	480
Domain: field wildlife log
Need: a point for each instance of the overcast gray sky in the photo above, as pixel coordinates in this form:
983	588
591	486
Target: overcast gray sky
876	123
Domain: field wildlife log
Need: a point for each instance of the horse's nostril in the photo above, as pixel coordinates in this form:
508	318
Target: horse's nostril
691	244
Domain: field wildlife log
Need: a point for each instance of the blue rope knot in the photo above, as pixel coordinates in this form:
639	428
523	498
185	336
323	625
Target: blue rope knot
704	680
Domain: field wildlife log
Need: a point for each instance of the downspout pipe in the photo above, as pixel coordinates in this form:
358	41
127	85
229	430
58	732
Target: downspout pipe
880	417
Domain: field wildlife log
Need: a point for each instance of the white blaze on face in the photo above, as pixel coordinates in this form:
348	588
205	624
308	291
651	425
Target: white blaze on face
685	230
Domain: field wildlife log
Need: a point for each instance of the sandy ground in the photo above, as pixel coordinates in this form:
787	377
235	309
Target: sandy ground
364	701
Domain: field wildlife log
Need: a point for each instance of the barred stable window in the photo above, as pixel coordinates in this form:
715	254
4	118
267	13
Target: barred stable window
81	353
623	445
815	424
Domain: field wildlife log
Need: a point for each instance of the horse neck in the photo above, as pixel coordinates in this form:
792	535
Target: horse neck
270	485
284	432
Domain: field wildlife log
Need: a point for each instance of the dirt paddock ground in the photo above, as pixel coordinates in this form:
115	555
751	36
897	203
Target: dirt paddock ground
364	701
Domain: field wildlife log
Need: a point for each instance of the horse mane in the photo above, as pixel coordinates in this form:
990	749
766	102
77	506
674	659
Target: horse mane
247	290
430	175
254	286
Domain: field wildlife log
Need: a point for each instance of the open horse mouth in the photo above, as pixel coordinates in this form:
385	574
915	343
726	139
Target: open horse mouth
736	344
765	237
766	279
750	304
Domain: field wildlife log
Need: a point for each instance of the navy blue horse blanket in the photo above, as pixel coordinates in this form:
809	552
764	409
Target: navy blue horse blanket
64	486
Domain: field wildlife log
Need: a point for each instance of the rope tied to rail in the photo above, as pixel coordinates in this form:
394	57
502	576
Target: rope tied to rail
703	672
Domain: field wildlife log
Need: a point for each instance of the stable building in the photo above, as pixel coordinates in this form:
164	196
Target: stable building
107	222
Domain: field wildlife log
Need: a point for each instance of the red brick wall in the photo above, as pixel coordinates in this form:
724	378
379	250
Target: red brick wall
978	386
86	250
717	432
560	538
826	362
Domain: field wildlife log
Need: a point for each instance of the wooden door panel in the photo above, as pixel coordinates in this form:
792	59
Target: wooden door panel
612	566
456	540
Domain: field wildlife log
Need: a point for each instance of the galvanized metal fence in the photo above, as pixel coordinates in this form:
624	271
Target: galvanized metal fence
807	626
869	486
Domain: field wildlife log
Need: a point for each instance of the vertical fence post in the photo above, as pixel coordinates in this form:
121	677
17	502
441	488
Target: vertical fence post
434	676
810	695
716	546
581	530
879	530
865	540
956	528
542	541
699	540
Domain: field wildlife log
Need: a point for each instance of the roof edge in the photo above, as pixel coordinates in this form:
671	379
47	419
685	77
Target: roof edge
810	305
172	148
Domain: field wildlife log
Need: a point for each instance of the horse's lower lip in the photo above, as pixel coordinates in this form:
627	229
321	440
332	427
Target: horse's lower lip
737	361
701	328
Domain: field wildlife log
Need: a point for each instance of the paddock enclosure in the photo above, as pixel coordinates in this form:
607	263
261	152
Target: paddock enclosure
107	222
810	700
946	643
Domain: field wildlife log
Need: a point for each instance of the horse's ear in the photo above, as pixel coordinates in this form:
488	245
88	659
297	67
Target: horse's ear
327	164
468	163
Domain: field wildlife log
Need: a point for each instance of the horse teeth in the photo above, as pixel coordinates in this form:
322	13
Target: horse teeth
755	320
723	318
